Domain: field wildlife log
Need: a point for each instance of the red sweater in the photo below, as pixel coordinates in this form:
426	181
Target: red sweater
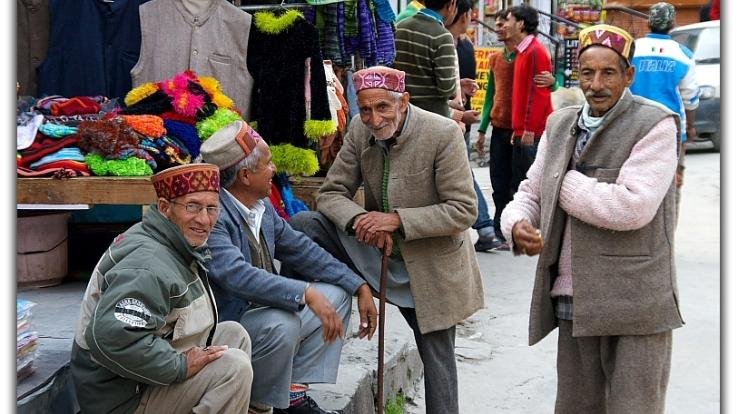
531	104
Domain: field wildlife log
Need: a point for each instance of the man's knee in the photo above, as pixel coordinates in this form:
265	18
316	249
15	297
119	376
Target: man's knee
234	335
339	298
236	364
312	223
280	335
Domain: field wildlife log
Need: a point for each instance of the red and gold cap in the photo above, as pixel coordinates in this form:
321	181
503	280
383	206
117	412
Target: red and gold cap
185	179
380	77
609	36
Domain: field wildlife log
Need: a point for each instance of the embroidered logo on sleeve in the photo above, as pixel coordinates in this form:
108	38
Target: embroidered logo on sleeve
132	312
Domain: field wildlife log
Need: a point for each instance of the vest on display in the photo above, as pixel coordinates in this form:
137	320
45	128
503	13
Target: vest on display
93	46
212	44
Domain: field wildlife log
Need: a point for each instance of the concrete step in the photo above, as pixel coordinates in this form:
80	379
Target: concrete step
50	389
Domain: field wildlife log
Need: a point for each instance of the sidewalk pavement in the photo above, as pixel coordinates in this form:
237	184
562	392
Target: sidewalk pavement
49	389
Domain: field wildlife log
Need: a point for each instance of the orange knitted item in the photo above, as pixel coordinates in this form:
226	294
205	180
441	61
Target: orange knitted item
147	125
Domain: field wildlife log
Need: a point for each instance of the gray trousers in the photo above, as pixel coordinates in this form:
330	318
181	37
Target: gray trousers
437	349
612	374
288	347
222	386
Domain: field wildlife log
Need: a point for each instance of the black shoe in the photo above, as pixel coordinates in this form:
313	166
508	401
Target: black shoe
487	243
307	406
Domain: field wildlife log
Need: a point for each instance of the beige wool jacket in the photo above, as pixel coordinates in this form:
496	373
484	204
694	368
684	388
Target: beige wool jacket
430	187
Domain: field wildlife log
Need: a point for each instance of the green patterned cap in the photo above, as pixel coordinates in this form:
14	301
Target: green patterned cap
661	16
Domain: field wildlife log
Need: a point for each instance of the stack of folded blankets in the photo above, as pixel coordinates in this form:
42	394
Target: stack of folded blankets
26	339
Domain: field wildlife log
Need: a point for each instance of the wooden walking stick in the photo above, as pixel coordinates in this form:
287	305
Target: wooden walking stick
380	356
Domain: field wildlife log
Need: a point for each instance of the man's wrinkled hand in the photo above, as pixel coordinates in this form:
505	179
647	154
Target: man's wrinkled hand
481	139
368	225
323	309
526	238
544	79
197	357
469	86
469	117
367	312
527	138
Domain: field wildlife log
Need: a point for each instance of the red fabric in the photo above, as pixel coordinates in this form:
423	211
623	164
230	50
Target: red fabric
715	10
43	146
531	105
275	197
175	116
76	106
58	172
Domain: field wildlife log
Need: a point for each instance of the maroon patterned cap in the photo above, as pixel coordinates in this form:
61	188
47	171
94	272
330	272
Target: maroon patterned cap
185	179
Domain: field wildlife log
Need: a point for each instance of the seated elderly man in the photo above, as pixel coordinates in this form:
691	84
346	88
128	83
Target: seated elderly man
419	204
290	350
148	340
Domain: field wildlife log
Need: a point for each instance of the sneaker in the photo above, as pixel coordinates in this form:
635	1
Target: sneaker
487	243
307	406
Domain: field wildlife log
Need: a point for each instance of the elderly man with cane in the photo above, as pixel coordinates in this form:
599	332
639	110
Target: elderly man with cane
419	205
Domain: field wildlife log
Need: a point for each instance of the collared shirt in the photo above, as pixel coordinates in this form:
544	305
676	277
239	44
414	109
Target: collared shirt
525	43
252	215
432	14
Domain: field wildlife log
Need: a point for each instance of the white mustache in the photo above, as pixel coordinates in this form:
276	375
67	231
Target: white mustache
591	94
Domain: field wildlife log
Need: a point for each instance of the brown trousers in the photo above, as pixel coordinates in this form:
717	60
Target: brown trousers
222	386
612	374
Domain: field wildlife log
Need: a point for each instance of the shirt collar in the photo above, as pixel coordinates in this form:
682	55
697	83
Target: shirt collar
432	14
252	215
525	43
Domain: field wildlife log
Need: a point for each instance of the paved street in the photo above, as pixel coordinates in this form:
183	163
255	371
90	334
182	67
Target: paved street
500	373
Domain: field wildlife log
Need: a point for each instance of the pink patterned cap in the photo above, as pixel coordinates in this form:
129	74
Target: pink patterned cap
380	77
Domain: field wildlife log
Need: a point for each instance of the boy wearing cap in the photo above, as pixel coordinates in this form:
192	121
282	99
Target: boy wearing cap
297	324
419	202
148	339
598	206
665	71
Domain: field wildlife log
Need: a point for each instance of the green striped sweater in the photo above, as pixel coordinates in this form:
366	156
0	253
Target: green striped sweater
426	53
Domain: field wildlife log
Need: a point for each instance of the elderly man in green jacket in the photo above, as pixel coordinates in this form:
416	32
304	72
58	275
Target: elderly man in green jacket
148	340
419	204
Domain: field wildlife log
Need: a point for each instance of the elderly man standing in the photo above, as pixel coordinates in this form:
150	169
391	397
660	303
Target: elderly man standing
598	206
284	315
419	204
148	340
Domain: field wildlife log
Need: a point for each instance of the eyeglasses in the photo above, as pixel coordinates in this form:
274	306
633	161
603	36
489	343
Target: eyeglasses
194	208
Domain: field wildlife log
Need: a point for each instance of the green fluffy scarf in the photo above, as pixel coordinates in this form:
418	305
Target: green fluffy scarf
268	22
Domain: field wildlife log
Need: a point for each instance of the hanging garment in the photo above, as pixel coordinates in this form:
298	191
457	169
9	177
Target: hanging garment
33	42
279	46
213	43
93	46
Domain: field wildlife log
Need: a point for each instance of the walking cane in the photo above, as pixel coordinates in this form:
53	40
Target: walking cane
380	357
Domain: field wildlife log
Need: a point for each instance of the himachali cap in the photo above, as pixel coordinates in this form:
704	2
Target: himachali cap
230	144
380	77
185	179
661	16
606	35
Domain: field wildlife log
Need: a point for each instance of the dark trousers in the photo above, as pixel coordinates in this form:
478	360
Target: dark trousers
500	173
522	158
436	348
